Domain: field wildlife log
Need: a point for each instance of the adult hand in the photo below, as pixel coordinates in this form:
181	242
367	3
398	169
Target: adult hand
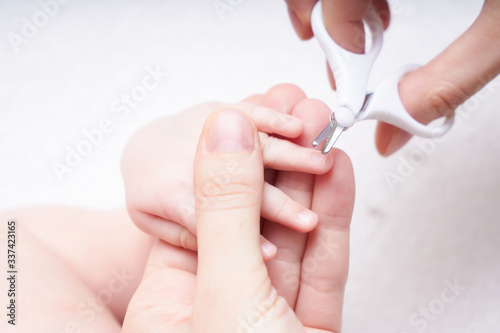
158	172
226	287
432	91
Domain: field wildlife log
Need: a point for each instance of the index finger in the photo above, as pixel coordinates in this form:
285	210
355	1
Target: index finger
326	259
343	19
344	22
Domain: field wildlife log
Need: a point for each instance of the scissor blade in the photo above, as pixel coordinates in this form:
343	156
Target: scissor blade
332	138
323	135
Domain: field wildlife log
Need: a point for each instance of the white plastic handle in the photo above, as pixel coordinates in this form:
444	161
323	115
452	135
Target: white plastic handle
350	70
385	105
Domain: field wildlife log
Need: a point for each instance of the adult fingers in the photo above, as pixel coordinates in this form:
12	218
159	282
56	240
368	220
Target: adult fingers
231	271
436	89
284	270
344	22
162	302
326	259
343	19
300	16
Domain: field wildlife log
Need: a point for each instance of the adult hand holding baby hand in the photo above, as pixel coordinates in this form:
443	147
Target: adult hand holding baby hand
225	287
158	165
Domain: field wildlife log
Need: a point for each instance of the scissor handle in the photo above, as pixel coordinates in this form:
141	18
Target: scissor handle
385	105
350	70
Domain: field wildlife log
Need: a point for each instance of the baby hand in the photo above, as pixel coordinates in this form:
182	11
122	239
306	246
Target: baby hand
157	167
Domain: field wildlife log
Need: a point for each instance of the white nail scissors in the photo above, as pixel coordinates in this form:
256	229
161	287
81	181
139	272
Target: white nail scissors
351	72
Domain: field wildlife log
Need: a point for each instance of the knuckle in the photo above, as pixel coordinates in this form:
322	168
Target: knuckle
281	208
185	239
164	198
136	214
277	122
290	255
251	110
266	143
326	284
298	155
443	98
334	222
289	183
224	193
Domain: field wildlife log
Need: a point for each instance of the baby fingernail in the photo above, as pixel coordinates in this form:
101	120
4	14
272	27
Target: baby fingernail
292	121
318	157
268	249
230	131
306	217
286	121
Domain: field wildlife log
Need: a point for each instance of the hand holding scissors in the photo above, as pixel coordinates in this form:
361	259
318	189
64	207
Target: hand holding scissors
351	72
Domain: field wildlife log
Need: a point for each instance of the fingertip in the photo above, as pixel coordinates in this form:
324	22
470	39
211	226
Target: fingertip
229	131
270	121
307	220
336	190
329	162
255	99
383	135
268	250
228	184
383	11
389	139
343	178
296	24
322	163
314	113
280	208
290	126
283	97
340	160
301	24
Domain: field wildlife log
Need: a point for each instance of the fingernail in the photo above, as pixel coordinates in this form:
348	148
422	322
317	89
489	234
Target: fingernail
318	157
230	131
398	139
291	121
285	120
306	217
268	249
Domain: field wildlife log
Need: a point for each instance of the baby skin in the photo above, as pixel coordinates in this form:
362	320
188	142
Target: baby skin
81	268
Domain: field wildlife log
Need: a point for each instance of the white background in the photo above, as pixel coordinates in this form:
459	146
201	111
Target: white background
442	223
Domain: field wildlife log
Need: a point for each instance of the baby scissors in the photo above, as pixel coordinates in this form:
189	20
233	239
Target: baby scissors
351	72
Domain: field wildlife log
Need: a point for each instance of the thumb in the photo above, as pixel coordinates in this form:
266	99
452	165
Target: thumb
436	89
228	183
